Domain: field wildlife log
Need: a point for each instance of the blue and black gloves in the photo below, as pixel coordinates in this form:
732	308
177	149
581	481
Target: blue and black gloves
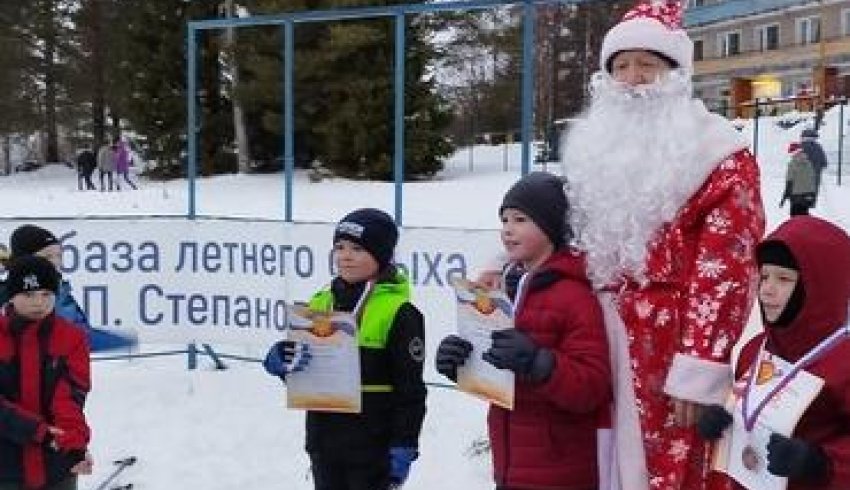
796	458
400	460
514	350
713	421
286	357
452	352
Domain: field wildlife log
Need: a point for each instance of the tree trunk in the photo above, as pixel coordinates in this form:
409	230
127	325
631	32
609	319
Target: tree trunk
98	67
244	158
52	150
116	126
7	155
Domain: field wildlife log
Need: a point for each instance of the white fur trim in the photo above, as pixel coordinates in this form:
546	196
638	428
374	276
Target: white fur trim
606	459
698	380
647	33
628	462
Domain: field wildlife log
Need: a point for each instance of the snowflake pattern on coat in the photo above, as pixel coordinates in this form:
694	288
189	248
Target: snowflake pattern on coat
701	284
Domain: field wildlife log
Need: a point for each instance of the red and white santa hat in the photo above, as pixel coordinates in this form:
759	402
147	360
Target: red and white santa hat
654	25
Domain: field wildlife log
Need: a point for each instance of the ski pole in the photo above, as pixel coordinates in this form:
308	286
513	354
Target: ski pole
121	465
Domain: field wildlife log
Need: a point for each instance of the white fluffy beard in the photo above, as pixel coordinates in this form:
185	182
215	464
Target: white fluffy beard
632	161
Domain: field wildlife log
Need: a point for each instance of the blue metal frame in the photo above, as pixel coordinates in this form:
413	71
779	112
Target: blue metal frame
288	116
192	119
398	158
399	13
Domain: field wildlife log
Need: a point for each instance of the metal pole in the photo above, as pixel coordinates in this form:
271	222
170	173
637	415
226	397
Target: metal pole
288	118
192	121
756	131
841	136
398	160
527	82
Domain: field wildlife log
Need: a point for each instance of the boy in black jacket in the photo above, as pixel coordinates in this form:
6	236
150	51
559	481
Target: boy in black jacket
372	450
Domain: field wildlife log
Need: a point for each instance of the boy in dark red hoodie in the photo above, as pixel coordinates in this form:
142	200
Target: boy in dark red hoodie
44	380
558	350
804	292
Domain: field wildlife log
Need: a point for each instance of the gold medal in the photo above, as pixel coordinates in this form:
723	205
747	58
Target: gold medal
766	372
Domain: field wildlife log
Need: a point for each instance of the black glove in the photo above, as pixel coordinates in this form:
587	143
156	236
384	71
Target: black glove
795	458
514	350
452	352
713	421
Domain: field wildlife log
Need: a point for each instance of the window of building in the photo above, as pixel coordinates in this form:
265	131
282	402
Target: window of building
729	44
696	3
698	50
767	37
808	30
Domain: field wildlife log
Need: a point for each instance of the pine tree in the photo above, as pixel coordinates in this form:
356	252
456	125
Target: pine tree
154	71
18	95
483	71
344	93
99	59
42	27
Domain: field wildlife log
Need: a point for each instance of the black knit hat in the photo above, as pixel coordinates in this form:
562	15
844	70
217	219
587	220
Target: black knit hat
372	229
29	239
541	196
776	253
31	273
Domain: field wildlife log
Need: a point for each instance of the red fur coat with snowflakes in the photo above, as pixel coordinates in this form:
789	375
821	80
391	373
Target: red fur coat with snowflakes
681	324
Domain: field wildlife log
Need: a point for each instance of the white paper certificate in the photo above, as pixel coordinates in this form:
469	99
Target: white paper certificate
480	312
331	381
742	452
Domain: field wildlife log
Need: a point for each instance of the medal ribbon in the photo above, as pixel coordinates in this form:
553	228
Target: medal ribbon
837	337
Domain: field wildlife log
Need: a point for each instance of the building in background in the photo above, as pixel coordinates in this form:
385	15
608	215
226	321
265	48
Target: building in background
789	54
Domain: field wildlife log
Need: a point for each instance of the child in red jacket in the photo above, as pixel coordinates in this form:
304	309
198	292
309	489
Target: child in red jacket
558	350
804	291
44	379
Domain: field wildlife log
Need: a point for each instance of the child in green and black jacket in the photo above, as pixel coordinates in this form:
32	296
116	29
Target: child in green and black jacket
372	450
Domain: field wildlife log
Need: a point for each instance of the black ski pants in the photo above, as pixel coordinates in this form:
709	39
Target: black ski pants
350	471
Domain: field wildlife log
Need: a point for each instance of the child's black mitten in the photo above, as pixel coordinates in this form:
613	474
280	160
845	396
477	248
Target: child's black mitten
713	421
796	458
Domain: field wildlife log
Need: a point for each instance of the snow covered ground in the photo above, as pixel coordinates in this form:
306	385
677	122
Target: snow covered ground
221	430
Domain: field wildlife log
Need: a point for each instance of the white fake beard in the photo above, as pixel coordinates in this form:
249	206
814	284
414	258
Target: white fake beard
632	161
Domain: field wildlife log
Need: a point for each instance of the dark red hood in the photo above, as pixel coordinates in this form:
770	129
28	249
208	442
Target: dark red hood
822	251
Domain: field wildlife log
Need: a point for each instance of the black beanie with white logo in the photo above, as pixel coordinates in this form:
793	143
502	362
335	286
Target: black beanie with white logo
31	273
541	196
373	230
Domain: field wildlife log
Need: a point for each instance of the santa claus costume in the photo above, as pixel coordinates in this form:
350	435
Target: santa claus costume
667	206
